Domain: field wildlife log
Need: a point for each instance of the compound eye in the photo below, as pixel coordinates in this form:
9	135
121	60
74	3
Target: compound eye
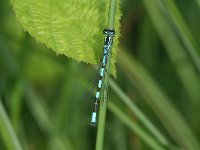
109	32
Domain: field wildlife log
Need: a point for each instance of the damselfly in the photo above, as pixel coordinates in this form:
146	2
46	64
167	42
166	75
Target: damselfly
108	40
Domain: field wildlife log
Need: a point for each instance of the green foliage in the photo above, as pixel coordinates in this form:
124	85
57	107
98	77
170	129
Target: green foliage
7	131
73	28
153	104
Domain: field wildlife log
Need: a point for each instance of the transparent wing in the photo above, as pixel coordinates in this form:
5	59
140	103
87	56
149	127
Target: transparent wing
91	86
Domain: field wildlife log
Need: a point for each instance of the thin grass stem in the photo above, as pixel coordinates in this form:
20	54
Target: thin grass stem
102	110
140	115
135	128
7	132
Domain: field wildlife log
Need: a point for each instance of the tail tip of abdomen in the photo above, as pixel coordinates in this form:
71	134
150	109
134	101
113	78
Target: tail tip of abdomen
93	121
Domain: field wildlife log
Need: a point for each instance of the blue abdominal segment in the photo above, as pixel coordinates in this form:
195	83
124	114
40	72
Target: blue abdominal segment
94	116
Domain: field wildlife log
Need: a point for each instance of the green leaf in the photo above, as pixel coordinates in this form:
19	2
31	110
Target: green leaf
73	28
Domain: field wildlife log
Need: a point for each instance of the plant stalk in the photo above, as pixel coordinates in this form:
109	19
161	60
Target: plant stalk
102	110
7	131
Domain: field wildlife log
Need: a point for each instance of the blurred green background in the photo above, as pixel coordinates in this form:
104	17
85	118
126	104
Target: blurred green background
153	104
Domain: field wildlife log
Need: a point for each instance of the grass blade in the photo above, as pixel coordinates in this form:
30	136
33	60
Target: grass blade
175	50
139	114
135	128
7	132
40	112
198	1
159	103
101	126
184	32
